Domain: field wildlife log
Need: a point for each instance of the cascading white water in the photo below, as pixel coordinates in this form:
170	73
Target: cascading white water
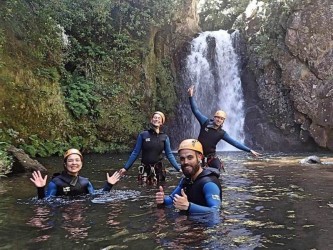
212	67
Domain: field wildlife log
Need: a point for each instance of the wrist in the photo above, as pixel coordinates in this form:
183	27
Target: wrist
189	207
109	184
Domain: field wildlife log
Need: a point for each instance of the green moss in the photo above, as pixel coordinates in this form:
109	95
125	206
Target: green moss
6	161
94	93
166	95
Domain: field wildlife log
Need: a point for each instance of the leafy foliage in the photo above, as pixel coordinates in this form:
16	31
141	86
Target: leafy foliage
6	161
2	42
35	28
221	14
97	51
79	96
270	35
166	99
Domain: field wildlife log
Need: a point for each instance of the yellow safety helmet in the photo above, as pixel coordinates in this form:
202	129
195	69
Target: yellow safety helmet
221	113
161	114
72	151
192	144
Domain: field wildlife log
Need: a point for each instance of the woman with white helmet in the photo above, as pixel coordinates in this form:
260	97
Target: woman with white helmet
152	142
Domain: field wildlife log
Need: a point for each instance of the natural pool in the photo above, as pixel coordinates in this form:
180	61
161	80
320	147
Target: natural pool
269	203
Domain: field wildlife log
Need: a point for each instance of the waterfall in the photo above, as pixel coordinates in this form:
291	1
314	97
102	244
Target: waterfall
212	66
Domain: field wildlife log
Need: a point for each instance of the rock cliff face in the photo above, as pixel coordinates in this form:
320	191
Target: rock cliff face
34	112
288	75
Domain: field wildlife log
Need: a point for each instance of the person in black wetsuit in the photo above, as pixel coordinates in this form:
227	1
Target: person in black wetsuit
152	142
200	191
211	133
69	182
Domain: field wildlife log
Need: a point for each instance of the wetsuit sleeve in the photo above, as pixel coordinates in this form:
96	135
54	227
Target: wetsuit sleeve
41	192
169	154
235	143
107	187
91	189
168	200
135	153
51	189
200	117
212	196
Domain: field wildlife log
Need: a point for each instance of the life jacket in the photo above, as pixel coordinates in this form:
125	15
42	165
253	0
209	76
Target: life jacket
152	146
209	137
70	185
194	190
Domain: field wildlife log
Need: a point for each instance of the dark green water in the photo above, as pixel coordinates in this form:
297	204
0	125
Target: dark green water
270	203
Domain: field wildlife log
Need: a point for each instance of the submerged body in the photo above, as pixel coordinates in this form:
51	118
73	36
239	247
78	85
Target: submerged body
200	191
204	193
69	182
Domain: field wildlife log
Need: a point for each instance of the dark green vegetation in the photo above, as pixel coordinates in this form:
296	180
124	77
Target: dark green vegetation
82	73
5	160
222	14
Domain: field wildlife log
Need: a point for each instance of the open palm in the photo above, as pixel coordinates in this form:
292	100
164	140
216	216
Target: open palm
38	179
114	178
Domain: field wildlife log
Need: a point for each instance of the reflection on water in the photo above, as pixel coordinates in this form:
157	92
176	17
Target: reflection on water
74	221
269	203
41	221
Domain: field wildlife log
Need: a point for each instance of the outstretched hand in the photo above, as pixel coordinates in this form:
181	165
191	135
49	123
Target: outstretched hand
191	90
255	154
122	171
180	201
114	178
159	197
38	180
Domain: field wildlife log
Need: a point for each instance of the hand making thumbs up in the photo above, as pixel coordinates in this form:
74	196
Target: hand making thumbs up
180	201
160	196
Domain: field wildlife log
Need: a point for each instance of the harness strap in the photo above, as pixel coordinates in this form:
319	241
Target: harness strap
153	172
141	169
211	157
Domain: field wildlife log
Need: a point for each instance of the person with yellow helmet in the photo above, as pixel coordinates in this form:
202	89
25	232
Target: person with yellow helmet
211	133
200	190
152	142
69	182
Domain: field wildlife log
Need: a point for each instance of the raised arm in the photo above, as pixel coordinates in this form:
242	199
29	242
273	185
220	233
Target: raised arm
111	180
40	182
38	179
195	110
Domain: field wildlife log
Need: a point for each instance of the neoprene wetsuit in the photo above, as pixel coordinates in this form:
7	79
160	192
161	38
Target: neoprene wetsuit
152	146
204	194
67	185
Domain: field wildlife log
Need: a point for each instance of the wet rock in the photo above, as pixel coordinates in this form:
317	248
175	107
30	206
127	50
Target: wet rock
292	82
311	160
23	162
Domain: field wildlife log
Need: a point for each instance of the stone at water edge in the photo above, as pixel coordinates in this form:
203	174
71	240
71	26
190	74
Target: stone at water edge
311	160
23	162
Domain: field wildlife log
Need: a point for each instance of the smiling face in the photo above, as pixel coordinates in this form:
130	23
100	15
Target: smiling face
157	120
73	164
218	121
190	162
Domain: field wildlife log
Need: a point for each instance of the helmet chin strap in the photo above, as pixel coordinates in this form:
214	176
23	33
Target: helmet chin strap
154	125
217	126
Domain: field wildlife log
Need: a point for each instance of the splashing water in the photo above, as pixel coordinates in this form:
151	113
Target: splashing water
212	67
